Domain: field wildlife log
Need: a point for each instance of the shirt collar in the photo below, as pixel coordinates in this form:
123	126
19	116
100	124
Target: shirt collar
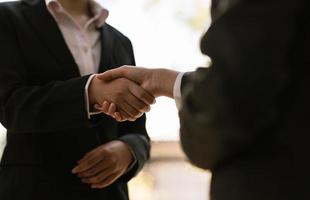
100	14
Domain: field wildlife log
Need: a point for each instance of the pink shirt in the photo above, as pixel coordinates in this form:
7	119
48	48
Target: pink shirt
84	42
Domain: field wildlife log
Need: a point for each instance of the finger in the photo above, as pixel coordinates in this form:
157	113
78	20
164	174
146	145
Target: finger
98	107
105	107
112	109
142	94
125	116
101	166
87	162
137	104
99	177
113	74
118	117
127	106
108	181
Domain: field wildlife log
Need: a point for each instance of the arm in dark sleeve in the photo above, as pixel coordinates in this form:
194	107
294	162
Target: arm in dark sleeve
35	108
229	106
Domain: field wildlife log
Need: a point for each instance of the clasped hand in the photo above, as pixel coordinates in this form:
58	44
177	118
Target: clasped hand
153	82
129	99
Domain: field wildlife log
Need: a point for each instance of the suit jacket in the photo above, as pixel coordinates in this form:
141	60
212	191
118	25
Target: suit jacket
246	116
42	105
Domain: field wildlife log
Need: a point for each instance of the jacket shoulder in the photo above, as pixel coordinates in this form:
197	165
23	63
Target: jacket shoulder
116	33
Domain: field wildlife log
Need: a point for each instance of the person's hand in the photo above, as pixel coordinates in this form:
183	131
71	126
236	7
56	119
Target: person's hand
131	99
105	164
158	82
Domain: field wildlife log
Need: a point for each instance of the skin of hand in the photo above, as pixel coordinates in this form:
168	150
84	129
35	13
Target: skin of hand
158	82
104	165
130	98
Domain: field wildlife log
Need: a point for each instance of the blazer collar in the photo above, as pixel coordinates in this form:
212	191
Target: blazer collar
107	49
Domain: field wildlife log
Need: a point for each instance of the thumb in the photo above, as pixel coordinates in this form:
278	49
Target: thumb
112	74
135	74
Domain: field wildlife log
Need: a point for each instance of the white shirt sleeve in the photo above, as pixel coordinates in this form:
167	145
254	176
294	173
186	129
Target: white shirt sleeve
89	113
177	90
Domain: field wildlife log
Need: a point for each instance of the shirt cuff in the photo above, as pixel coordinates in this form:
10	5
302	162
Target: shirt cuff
177	90
93	112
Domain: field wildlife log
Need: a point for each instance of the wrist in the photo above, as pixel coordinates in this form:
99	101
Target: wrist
165	82
92	91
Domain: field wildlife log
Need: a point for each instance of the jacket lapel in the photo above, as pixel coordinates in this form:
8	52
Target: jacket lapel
107	43
49	33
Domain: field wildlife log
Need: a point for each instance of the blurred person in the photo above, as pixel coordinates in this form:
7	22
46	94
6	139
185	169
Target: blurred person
246	116
49	51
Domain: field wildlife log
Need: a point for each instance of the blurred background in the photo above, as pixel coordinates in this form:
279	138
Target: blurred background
164	33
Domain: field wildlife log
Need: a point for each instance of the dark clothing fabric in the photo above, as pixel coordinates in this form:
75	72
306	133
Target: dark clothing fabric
245	118
42	106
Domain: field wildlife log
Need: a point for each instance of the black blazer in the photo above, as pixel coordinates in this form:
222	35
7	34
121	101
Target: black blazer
42	105
246	118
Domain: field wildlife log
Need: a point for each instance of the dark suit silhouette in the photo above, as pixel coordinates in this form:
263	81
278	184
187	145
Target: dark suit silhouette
245	117
42	105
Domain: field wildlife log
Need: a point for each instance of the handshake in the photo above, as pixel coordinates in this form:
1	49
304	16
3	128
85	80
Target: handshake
126	93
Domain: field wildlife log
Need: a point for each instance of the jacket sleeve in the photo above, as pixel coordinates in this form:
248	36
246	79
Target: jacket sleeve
32	108
232	104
